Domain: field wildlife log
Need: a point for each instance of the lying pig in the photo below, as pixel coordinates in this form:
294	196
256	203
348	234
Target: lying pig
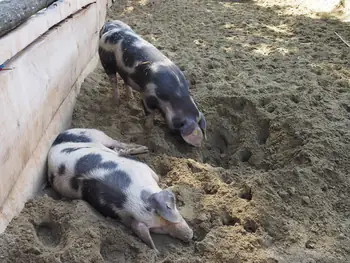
89	165
145	69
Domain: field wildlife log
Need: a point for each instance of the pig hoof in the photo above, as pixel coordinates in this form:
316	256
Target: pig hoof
132	150
129	96
129	93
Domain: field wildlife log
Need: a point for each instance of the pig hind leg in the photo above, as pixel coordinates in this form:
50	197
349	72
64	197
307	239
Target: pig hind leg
120	147
95	136
109	65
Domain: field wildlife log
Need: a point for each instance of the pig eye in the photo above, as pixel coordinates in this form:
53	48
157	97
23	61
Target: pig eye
178	123
167	206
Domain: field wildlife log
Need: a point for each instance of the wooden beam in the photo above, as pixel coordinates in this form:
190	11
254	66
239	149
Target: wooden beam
15	12
34	27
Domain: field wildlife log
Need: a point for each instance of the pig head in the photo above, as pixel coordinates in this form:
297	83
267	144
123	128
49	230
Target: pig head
165	219
184	116
169	218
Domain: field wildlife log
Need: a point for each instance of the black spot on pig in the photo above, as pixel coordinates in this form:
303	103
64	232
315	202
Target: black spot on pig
186	105
144	196
118	180
93	161
74	183
102	197
109	165
70	137
107	27
51	178
131	54
170	83
151	102
108	61
72	149
142	75
113	38
61	169
87	163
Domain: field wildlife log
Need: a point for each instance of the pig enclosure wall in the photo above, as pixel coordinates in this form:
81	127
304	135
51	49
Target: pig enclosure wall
50	55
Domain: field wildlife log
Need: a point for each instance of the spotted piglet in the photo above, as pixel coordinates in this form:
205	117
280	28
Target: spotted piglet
147	70
89	165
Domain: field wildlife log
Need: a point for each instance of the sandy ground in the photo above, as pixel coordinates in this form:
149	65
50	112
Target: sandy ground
270	184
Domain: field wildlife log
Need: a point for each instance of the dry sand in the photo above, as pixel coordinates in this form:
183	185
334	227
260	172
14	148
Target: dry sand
270	184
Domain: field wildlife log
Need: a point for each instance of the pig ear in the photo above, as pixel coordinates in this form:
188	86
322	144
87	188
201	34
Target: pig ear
165	205
202	124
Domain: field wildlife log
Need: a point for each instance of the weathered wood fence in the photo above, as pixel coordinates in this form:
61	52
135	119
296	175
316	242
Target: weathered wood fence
50	55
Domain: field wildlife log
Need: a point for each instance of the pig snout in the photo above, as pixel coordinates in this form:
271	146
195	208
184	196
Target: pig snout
180	230
194	131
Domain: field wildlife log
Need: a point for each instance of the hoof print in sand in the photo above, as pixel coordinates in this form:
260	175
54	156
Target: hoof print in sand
49	234
250	225
238	131
229	220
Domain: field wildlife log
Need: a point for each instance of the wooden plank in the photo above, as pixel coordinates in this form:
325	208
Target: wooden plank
32	92
19	38
15	12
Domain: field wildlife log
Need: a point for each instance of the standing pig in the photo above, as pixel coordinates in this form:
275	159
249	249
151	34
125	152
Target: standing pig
89	165
147	70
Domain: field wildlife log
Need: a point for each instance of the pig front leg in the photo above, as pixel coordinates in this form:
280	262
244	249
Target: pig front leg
150	104
109	65
129	93
149	120
142	231
114	82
